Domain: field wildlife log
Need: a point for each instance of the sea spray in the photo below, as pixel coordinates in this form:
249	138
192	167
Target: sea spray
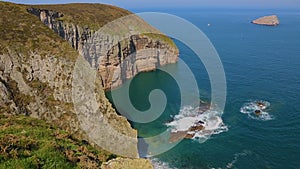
189	116
249	108
157	164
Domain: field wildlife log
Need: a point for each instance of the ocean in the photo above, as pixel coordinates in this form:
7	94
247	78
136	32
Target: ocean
261	63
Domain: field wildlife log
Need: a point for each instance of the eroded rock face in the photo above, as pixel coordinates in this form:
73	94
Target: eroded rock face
271	20
131	56
117	58
74	34
32	86
7	104
37	83
41	87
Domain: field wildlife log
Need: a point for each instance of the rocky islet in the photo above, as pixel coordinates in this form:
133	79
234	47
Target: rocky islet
271	20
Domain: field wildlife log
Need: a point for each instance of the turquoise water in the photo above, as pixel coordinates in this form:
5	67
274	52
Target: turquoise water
261	63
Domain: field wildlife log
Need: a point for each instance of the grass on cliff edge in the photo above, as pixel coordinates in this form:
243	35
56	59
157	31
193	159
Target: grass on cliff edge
31	143
94	16
23	32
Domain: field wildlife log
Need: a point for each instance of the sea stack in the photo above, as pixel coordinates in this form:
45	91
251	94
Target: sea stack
271	20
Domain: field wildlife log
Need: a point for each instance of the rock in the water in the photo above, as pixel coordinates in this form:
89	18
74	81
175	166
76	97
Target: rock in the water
176	136
257	112
196	128
190	133
271	20
261	105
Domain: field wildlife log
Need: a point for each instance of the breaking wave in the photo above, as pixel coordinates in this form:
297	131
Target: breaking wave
261	106
190	116
160	164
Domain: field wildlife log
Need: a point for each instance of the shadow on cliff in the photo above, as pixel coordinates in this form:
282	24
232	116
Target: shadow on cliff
142	148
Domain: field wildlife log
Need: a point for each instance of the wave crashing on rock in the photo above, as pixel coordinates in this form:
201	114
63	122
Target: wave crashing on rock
257	110
196	123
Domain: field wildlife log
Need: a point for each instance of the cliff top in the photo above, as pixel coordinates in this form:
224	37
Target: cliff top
24	32
92	15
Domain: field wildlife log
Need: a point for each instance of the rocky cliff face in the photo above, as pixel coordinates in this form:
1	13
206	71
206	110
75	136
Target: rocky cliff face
42	87
117	58
37	67
36	75
74	34
138	53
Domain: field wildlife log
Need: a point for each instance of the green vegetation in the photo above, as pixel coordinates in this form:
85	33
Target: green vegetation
93	16
161	38
28	142
22	32
31	143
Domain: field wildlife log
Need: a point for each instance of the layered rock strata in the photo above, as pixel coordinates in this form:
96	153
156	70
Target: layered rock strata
36	76
118	57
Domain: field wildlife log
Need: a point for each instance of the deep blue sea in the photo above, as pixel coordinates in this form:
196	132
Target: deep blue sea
260	63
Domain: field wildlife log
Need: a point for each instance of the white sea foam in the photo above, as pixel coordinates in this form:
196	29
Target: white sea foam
160	165
250	108
189	116
232	163
183	124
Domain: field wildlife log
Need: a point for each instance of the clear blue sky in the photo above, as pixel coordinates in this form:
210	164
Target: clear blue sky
136	4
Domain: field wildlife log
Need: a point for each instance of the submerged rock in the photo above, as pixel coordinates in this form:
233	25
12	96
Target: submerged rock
198	125
271	20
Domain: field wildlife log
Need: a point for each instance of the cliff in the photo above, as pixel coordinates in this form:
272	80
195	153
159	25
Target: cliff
37	67
271	20
108	44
